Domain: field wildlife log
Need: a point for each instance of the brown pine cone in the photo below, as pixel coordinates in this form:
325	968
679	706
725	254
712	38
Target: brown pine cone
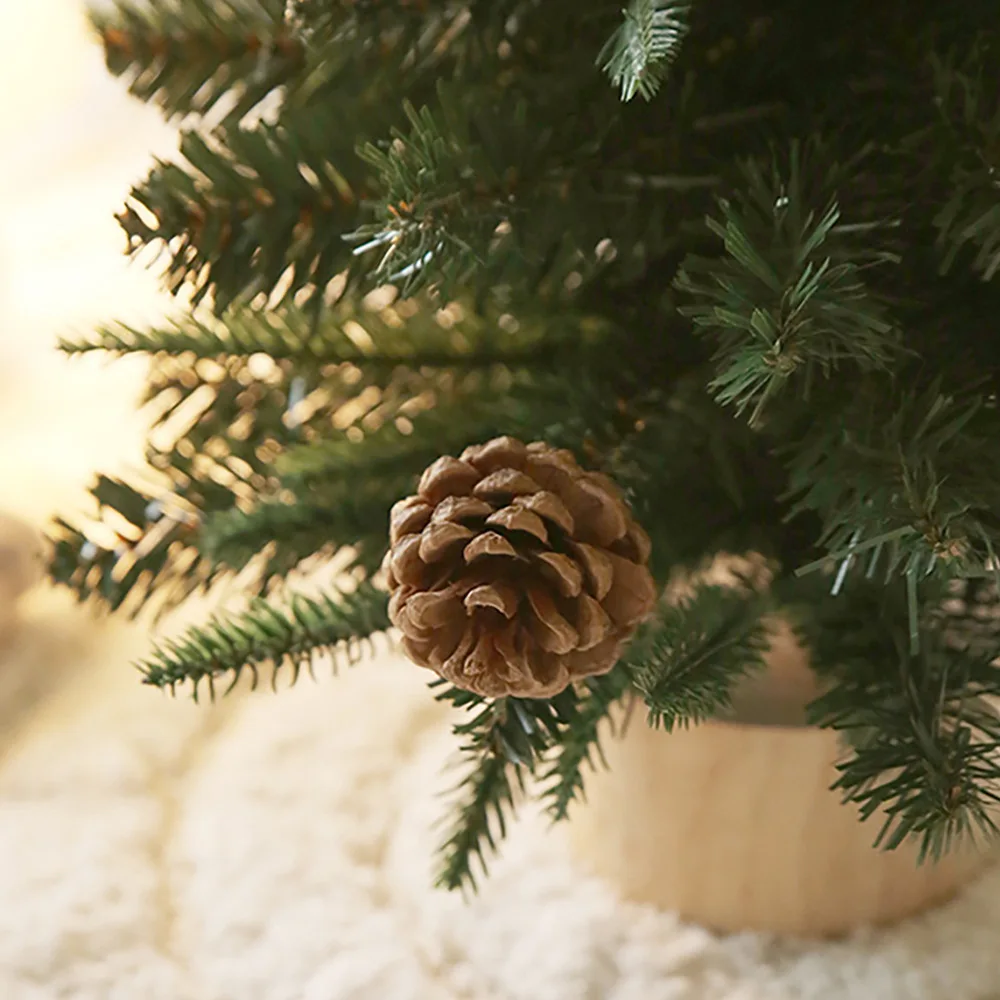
514	572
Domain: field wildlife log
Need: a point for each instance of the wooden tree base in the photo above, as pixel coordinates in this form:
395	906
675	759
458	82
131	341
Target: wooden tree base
734	826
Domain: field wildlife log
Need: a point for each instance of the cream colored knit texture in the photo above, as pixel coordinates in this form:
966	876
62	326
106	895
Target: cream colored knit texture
279	848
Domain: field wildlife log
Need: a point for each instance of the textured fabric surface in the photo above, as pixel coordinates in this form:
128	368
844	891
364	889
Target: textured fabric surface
279	847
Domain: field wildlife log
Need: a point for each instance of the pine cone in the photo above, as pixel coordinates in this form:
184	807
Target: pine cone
514	572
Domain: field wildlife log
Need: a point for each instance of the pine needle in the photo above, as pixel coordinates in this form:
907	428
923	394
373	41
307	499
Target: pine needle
268	635
638	55
580	742
685	662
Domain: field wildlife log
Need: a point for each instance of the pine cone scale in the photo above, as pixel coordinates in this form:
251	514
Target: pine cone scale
551	629
408	516
562	571
459	509
598	567
516	518
406	565
447	477
515	571
500	596
489	543
439	538
631	593
548	506
506	482
593	623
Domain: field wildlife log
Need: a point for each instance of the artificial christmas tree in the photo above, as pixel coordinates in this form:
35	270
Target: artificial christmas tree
736	258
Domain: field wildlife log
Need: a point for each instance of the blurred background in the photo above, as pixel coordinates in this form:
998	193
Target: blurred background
153	847
108	790
71	141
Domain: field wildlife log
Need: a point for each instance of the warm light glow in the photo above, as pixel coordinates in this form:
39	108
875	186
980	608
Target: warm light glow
72	143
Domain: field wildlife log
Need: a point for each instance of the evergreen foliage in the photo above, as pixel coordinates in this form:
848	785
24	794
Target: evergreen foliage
268	635
685	663
639	53
922	726
504	740
788	299
762	299
580	741
187	57
505	743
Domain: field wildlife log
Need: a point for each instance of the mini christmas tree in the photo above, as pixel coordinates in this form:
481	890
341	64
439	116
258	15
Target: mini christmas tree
734	263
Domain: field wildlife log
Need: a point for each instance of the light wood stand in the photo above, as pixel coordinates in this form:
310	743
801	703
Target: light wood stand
733	825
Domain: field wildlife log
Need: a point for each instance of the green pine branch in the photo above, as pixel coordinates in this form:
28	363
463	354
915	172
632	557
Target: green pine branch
907	481
248	208
221	433
479	196
685	662
294	531
502	744
337	465
317	496
432	221
343	514
215	430
578	743
786	298
922	727
292	635
187	56
213	443
352	482
969	218
288	335
409	39
137	549
639	54
378	341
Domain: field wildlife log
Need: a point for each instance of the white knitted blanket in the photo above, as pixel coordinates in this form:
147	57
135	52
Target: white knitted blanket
279	847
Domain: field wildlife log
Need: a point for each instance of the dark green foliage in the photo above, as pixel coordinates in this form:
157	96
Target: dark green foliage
762	299
638	55
507	741
187	56
451	216
504	741
685	661
564	774
266	634
917	493
970	115
921	728
787	300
